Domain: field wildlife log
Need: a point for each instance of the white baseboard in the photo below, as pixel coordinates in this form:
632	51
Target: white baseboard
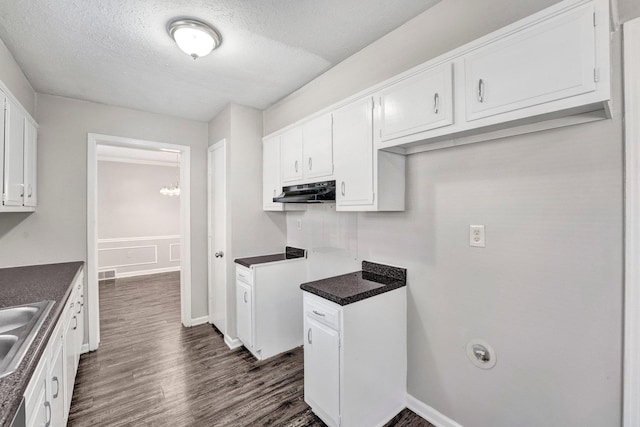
147	272
232	343
430	414
199	320
84	349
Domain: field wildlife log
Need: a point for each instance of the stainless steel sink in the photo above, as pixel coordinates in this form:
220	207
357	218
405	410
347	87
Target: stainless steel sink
15	317
18	327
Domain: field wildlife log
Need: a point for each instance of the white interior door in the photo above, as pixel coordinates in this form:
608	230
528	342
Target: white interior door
217	236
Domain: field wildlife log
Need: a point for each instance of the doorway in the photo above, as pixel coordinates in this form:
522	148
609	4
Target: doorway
183	153
217	235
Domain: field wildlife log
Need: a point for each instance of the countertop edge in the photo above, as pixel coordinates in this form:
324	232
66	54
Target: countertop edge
29	364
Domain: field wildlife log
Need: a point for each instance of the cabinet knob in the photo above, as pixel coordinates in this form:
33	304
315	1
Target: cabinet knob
219	254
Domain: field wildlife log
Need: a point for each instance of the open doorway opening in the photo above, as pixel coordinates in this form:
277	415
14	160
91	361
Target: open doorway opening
138	220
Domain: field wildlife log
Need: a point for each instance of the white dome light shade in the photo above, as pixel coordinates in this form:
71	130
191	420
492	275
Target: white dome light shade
193	37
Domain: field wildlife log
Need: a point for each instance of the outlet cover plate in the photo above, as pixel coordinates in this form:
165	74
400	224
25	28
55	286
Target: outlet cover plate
476	236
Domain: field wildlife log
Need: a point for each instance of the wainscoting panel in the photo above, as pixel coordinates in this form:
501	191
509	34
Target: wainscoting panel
135	256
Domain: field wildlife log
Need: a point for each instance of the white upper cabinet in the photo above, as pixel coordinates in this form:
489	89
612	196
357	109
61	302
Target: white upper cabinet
18	146
419	103
307	152
291	155
13	155
30	164
366	179
317	147
546	62
353	148
271	186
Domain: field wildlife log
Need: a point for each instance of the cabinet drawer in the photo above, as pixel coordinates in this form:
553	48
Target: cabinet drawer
244	275
321	312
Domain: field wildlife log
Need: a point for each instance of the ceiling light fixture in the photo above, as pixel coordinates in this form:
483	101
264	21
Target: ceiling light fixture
195	38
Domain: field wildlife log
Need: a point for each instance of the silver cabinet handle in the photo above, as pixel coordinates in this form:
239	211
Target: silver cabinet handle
76	326
342	188
55	395
317	313
48	406
245	296
436	103
310	164
296	166
309	336
480	91
219	254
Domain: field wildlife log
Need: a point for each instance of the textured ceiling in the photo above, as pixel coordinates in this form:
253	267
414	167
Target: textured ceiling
118	52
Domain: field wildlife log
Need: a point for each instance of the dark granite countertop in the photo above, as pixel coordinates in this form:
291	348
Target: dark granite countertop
289	253
24	285
374	279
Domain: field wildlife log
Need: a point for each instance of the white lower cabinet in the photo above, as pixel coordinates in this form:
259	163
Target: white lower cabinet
355	359
244	313
269	306
48	394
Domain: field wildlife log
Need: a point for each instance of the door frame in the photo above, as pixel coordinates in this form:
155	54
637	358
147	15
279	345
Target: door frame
220	145
93	301
631	380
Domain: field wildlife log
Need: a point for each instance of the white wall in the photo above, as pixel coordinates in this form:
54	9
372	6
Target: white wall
131	208
546	292
14	79
57	231
250	230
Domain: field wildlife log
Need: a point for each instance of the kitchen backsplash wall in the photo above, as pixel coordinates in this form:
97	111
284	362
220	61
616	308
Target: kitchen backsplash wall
329	237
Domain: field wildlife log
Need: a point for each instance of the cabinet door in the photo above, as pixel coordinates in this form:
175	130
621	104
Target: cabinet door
244	313
56	383
79	332
13	155
69	358
30	164
322	370
3	103
36	406
291	155
419	103
271	186
543	63
317	147
353	143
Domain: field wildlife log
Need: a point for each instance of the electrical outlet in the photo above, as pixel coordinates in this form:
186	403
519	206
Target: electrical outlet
476	236
299	224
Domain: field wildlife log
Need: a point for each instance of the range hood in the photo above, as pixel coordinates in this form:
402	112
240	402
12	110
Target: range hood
317	192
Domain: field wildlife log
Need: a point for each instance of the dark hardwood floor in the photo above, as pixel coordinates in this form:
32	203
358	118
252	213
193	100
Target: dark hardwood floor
151	371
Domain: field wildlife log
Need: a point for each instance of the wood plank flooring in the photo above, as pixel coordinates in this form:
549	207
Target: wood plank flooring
151	371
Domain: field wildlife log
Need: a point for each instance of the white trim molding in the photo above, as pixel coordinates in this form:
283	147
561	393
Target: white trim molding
171	257
137	239
199	320
155	256
430	414
631	399
93	300
232	343
146	272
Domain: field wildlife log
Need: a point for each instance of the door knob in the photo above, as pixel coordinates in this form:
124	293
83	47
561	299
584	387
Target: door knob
219	254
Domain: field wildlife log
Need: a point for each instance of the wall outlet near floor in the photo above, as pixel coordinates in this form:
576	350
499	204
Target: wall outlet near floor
299	224
476	236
